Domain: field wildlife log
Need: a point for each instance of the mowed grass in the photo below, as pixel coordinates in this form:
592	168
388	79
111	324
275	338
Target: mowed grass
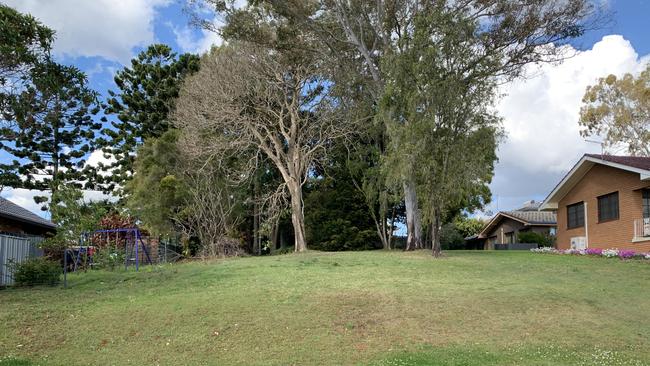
378	308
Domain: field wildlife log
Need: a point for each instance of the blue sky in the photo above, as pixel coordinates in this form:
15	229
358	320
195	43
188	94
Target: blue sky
540	112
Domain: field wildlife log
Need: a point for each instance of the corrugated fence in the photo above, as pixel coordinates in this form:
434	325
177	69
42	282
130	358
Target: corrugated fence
16	249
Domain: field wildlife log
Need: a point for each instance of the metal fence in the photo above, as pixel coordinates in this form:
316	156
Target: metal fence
16	249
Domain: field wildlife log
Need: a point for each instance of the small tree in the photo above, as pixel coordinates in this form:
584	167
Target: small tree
618	109
157	193
74	216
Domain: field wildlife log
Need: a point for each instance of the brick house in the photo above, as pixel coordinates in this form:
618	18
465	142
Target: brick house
17	220
603	202
505	225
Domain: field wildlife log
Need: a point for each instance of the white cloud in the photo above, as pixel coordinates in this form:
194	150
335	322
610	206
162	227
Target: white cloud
25	198
189	41
97	157
541	119
105	28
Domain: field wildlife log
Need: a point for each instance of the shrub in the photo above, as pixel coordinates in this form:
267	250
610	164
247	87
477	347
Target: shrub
37	271
610	253
108	258
543	240
594	251
626	254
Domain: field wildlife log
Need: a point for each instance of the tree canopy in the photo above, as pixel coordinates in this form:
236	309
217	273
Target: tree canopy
618	109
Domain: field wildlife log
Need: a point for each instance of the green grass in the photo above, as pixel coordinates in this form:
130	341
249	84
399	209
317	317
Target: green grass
377	308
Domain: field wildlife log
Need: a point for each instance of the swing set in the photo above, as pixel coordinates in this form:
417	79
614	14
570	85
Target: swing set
129	239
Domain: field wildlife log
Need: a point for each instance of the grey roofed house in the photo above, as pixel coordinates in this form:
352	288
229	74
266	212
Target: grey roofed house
504	227
18	220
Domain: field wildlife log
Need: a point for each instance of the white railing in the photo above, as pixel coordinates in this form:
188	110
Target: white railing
642	228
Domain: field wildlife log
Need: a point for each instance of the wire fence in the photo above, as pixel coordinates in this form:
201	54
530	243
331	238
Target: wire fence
23	263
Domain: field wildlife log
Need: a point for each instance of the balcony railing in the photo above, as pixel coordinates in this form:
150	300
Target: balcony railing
642	229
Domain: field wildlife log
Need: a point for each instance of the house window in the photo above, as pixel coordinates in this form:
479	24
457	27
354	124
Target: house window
510	238
608	207
646	203
575	215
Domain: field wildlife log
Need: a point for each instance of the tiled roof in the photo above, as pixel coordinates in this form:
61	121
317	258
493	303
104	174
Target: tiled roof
638	162
13	211
534	217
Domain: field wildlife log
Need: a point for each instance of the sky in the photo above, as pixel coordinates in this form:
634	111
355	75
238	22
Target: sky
540	112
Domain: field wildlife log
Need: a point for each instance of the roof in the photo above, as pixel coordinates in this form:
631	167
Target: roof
533	217
12	211
527	217
640	162
635	164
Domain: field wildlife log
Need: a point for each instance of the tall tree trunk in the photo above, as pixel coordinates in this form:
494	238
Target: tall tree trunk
413	218
435	234
297	216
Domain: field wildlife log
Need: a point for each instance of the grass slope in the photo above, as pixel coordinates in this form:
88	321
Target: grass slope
379	308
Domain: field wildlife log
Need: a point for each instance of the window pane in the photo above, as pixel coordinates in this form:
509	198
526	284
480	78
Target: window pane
575	215
608	207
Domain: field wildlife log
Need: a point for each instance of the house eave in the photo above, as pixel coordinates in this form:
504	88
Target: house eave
577	173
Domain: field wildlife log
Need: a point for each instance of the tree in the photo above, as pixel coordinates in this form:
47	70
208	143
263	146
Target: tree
336	215
157	193
511	34
439	114
245	99
619	110
468	226
54	128
74	216
146	95
24	42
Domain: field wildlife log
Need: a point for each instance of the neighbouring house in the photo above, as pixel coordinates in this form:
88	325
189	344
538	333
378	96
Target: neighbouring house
504	227
20	232
603	202
17	220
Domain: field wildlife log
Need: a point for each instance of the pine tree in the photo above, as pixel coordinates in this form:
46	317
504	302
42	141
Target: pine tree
53	128
24	42
146	93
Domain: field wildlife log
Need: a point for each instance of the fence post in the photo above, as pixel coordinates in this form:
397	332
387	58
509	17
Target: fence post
65	268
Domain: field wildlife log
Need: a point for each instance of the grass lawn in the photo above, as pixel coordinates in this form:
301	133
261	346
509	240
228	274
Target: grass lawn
377	308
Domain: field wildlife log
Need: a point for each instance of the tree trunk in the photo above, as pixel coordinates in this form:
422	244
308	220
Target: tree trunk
413	222
297	217
435	234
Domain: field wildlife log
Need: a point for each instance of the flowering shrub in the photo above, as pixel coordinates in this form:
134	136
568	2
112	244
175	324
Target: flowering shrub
607	253
626	254
610	253
544	250
594	251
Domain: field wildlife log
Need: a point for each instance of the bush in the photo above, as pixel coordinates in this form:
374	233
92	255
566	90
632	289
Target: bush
108	258
544	240
37	271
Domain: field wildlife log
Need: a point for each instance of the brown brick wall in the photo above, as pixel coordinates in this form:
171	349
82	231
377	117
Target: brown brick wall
600	180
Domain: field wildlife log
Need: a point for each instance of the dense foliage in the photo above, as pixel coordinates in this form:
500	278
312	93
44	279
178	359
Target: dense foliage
618	109
146	93
544	240
39	271
74	216
347	119
336	216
